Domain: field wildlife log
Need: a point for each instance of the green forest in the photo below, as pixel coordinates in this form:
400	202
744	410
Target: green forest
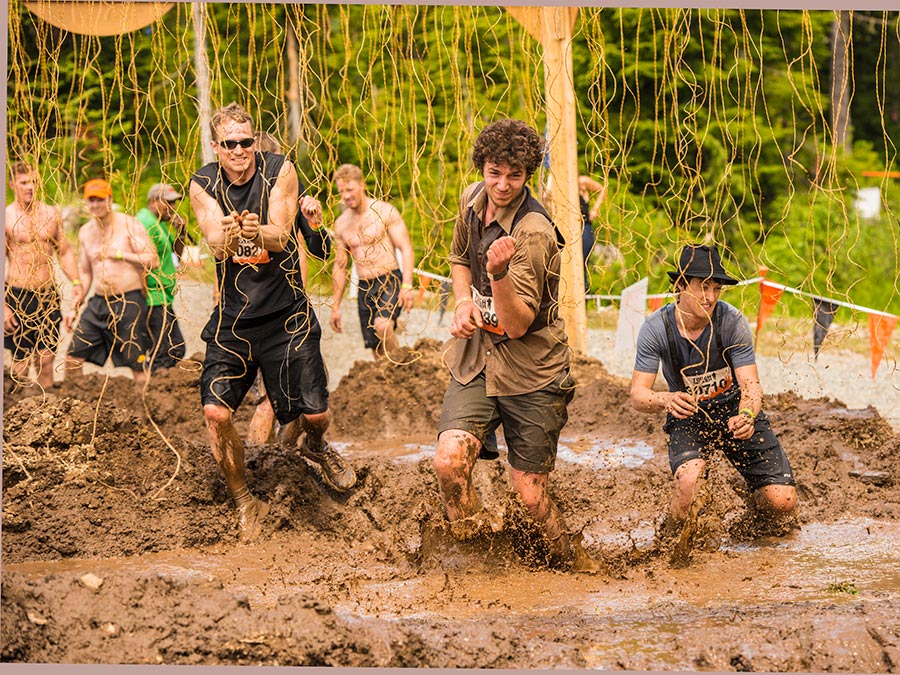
705	124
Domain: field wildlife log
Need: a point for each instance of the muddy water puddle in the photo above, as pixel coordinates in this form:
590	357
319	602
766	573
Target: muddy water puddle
595	453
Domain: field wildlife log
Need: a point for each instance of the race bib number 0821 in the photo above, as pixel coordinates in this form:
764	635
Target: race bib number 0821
249	253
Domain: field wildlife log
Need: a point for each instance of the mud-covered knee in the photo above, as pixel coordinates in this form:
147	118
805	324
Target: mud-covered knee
216	414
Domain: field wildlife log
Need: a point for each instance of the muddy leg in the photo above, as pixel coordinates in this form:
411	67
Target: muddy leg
776	505
43	364
454	462
228	451
388	347
262	423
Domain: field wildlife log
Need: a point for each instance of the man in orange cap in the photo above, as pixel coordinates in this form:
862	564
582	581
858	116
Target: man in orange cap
31	318
114	258
714	397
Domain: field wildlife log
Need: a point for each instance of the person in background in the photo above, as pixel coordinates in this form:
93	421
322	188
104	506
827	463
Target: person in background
166	229
587	188
114	258
32	313
370	231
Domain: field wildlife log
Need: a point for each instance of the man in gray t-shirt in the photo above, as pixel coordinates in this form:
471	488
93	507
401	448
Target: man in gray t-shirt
714	396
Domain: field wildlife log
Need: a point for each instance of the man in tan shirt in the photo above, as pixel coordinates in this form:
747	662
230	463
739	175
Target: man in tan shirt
369	230
31	318
509	358
114	257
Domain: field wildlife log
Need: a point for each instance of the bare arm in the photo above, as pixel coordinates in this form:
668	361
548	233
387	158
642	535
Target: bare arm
742	424
513	312
143	253
338	278
466	315
645	399
86	274
274	235
69	263
220	231
399	236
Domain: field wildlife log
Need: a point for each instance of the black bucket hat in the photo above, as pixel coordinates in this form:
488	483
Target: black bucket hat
702	262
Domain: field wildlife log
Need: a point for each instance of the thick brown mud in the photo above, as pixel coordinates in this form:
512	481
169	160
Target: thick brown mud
120	540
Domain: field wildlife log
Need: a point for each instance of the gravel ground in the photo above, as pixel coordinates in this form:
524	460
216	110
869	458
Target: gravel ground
837	374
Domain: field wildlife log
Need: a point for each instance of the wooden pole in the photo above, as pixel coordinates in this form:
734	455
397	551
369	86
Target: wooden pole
552	27
201	67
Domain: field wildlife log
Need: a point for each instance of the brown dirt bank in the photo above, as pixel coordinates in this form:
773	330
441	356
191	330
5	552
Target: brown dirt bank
124	486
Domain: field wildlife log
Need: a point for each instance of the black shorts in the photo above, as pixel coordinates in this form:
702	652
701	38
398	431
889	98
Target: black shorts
531	422
39	317
760	459
378	297
166	341
283	346
113	325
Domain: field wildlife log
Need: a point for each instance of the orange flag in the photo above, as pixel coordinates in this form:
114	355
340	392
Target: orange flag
769	296
880	329
654	304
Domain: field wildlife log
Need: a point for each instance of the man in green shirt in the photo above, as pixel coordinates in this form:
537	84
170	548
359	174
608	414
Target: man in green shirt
166	229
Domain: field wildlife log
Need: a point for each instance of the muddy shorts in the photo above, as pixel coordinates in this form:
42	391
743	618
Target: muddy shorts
759	459
39	317
283	346
531	422
113	325
378	297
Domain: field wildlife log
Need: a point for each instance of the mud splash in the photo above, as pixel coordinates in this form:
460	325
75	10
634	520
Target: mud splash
122	486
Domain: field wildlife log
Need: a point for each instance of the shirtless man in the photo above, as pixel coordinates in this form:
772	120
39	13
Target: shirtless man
369	230
114	258
31	316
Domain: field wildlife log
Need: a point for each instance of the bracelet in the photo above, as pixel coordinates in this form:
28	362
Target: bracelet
460	302
748	412
118	254
76	282
406	287
499	275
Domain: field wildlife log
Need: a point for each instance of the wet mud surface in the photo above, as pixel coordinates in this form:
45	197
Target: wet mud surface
120	541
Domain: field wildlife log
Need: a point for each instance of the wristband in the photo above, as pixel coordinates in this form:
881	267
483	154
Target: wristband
499	275
76	282
748	412
460	302
406	287
118	254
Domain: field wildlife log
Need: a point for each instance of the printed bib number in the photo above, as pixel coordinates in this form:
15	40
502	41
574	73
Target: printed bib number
249	253
485	304
709	385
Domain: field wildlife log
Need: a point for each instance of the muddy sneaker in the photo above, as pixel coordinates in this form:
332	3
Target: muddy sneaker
336	471
252	514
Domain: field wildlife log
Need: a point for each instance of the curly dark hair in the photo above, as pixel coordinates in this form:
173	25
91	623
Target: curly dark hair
509	142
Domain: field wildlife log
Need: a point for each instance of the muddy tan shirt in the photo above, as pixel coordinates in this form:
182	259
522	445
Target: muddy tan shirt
526	364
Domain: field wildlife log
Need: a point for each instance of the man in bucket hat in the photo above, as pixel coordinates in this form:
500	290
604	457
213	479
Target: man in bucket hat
714	396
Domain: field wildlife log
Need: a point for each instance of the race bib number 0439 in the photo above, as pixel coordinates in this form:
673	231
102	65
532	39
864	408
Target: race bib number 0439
249	253
709	385
485	304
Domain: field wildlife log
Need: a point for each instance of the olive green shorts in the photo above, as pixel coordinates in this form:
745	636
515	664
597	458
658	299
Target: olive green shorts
531	422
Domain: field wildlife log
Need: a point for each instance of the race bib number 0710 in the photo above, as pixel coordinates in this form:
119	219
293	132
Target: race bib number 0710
709	385
485	304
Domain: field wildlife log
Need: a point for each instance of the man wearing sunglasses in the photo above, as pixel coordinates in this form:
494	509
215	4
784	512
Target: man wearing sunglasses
167	231
245	204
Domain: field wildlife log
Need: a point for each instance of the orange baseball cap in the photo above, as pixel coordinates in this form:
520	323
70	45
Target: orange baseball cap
97	188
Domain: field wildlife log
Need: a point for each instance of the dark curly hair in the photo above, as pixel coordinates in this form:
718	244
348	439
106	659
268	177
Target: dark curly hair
509	142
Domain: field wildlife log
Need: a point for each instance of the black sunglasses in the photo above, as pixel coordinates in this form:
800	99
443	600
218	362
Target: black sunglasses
231	145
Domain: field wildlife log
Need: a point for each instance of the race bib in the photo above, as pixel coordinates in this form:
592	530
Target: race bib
708	385
485	304
249	253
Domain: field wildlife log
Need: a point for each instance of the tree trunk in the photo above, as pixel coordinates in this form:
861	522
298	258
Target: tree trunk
840	80
201	67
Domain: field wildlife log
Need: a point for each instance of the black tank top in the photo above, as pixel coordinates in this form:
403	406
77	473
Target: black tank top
253	282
